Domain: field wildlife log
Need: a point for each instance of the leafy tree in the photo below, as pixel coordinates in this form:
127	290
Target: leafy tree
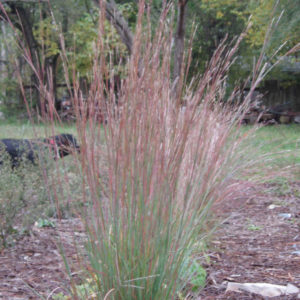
214	20
77	20
288	28
41	35
285	15
82	40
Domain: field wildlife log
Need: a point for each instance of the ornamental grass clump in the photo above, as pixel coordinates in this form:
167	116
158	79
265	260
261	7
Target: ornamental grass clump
166	158
165	154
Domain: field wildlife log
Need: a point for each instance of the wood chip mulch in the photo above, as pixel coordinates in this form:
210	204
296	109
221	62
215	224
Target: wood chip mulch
258	242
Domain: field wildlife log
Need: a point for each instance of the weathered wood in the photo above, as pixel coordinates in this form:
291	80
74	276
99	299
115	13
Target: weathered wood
284	119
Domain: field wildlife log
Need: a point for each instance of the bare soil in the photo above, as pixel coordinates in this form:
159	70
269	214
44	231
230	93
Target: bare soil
258	242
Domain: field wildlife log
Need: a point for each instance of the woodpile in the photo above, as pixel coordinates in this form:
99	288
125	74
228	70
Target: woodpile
67	112
257	114
271	117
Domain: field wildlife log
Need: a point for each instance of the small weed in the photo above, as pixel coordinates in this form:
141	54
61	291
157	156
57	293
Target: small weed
11	200
86	290
194	274
253	227
28	191
282	190
44	223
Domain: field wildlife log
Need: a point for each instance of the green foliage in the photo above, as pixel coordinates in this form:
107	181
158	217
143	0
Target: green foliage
47	34
9	93
288	28
21	189
36	190
194	274
9	86
44	223
83	40
83	37
253	227
129	10
11	202
86	290
214	20
30	192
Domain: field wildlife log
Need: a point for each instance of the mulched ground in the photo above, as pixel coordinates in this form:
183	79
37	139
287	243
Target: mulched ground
255	244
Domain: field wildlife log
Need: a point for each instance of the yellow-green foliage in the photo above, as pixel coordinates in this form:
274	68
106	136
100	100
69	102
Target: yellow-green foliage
83	40
261	12
47	34
222	9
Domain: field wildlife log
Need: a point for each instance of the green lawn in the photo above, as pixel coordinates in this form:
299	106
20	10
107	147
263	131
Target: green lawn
24	129
277	150
280	137
282	140
279	145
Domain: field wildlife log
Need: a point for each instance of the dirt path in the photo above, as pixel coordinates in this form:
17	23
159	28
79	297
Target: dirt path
259	242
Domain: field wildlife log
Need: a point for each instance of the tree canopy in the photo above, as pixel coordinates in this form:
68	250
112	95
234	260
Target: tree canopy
43	27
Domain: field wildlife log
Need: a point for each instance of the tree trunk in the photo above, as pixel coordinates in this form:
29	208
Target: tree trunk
179	46
117	20
50	75
24	24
